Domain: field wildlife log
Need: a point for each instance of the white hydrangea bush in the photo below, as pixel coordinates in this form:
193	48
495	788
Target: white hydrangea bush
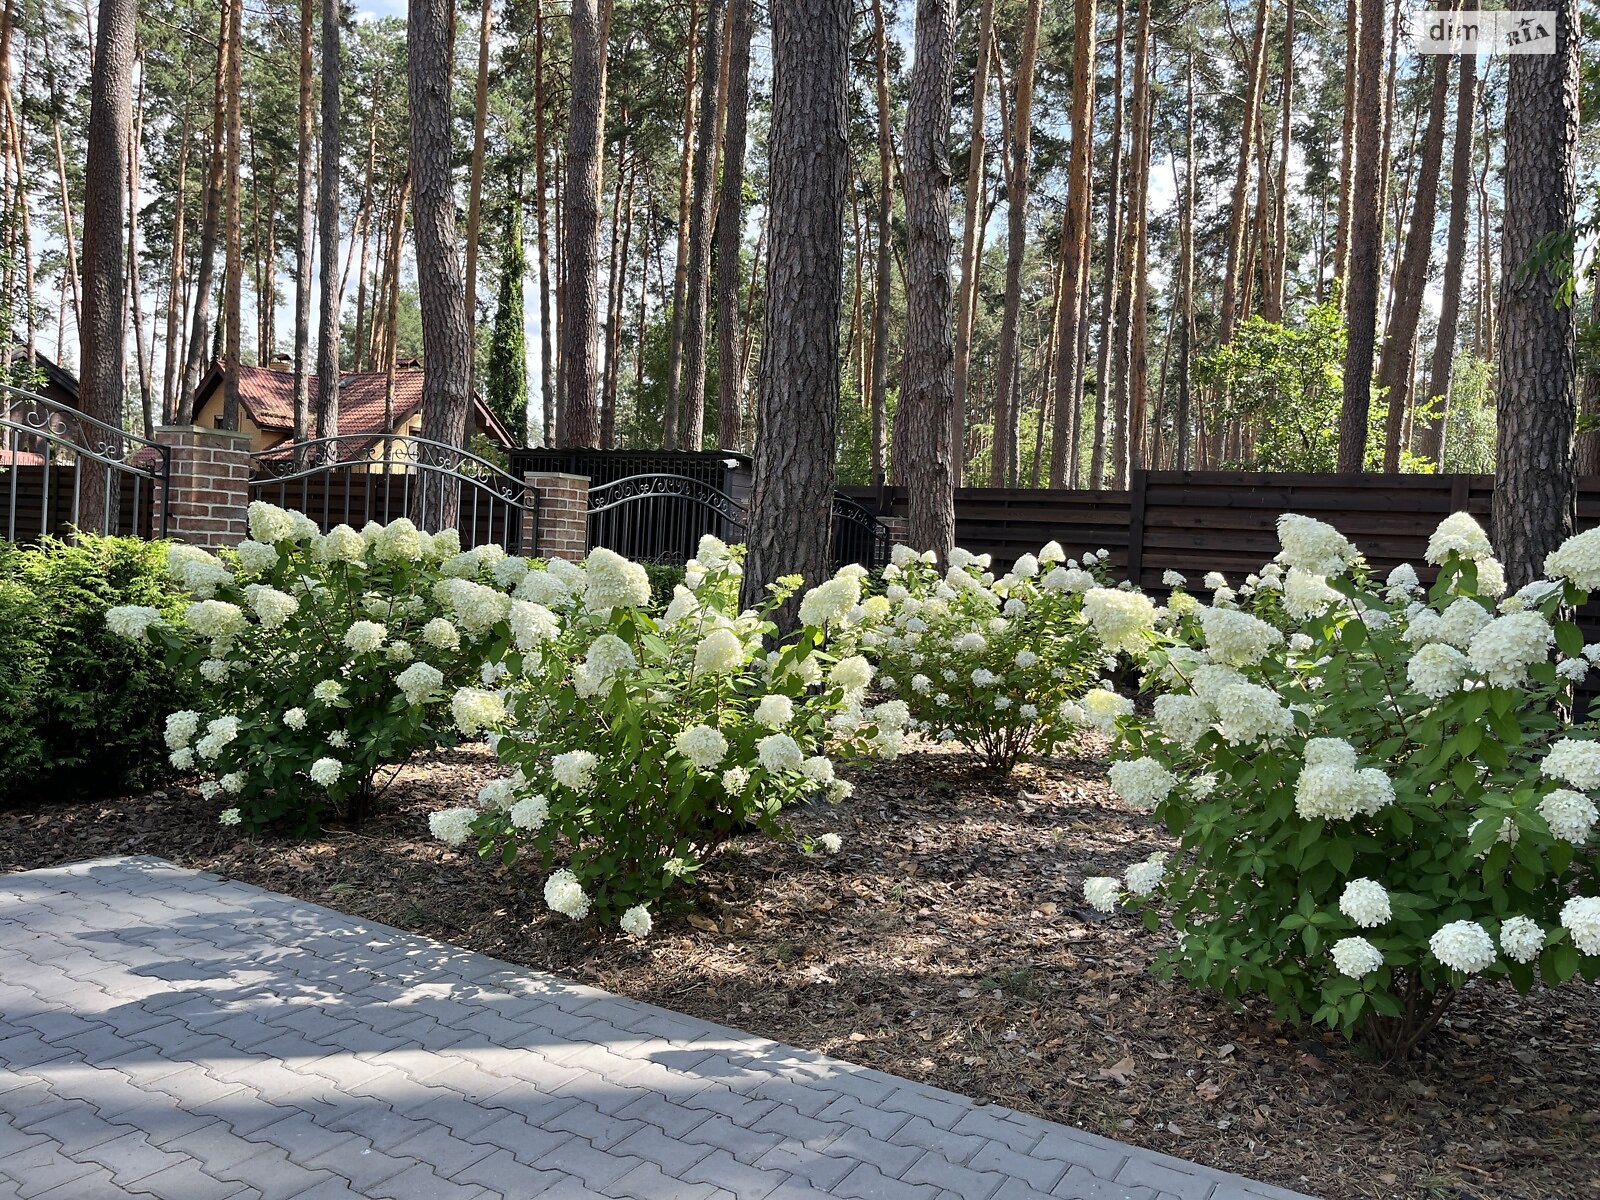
996	664
1376	789
323	661
641	740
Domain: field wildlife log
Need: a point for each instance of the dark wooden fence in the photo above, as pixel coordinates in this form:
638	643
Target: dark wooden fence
1199	521
35	502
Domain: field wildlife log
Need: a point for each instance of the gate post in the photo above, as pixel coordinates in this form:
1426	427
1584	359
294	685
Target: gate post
207	492
560	520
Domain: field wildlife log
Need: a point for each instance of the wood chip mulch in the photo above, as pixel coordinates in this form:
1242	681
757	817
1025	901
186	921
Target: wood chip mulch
949	942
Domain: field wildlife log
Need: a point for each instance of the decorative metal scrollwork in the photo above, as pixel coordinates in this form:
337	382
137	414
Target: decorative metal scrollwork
637	487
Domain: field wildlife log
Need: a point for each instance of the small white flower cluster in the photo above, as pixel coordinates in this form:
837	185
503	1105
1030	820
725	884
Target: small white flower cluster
1142	782
1332	787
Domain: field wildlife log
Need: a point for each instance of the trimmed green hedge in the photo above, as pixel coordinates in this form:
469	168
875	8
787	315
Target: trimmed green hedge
81	710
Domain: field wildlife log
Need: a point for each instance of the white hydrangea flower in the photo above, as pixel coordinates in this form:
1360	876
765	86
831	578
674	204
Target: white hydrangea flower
1577	559
574	769
1331	787
1366	902
1237	638
735	780
363	637
1306	595
1355	957
441	634
828	602
475	709
1575	762
400	651
1100	707
1459	534
1249	713
1172	579
718	652
565	895
452	826
636	921
325	772
327	691
341	544
1142	782
774	711
971	642
294	718
230	816
1313	546
1463	946
779	753
702	745
530	813
1570	815
1201	786
215	619
1102	892
1402	582
1182	718
532	623
181	728
420	683
1120	619
1580	916
1504	649
1028	712
1521	939
1436	670
134	621
852	674
269	523
1142	878
338	739
1573	670
831	843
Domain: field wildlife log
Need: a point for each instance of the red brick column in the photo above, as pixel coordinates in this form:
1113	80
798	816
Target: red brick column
899	529
563	516
209	485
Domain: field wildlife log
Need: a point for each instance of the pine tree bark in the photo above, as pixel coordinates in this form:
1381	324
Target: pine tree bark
1002	468
1255	84
327	405
1366	234
1112	269
305	239
547	369
882	279
702	195
1347	146
672	417
1444	344
102	359
972	224
1278	279
1071	310
199	354
791	506
928	392
441	285
1184	416
1411	277
480	119
233	272
580	319
1535	491
730	228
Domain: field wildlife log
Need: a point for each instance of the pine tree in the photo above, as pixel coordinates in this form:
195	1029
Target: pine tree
506	384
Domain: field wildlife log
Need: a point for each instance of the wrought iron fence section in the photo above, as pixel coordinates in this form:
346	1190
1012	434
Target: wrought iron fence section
661	517
351	479
858	535
115	481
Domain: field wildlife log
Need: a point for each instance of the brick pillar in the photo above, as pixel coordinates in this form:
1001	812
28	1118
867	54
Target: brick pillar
209	485
899	529
562	517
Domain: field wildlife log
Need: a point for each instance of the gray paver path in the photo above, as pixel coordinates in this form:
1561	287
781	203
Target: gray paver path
167	1033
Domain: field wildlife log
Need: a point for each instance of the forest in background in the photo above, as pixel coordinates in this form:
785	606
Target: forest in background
1206	227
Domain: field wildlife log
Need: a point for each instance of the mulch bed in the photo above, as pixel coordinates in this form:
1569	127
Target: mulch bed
948	942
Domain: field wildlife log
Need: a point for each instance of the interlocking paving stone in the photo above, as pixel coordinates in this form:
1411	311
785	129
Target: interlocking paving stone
170	1034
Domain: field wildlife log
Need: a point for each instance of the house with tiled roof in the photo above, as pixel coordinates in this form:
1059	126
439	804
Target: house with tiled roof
266	402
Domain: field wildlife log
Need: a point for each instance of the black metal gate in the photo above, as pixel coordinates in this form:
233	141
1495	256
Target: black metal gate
355	478
62	470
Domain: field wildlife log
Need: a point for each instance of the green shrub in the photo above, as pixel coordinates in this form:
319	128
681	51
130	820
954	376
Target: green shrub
664	580
81	709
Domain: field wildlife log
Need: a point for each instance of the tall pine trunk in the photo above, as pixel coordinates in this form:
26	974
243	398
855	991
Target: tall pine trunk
580	320
1008	401
1366	234
305	233
1535	491
211	224
702	195
672	418
1072	308
730	228
928	396
972	227
1233	281
791	505
327	407
441	286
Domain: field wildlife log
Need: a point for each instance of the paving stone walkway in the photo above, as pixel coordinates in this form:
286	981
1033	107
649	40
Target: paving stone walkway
167	1033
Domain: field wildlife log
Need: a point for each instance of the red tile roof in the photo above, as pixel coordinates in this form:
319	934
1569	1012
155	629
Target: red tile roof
268	399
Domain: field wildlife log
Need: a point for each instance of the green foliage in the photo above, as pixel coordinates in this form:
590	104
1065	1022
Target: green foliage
1469	438
320	661
506	381
80	709
664	580
1287	381
641	740
1361	780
